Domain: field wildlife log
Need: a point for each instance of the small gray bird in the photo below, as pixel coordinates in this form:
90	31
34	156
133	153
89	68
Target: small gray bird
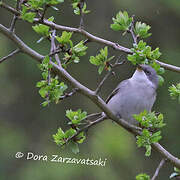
134	95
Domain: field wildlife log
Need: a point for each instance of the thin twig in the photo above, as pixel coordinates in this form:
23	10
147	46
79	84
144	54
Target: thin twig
9	8
15	17
158	169
13	23
53	45
55	52
53	48
108	74
98	89
66	95
131	30
10	55
44	12
50	60
81	4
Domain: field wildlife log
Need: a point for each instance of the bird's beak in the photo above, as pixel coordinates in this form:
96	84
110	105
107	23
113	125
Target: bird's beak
139	68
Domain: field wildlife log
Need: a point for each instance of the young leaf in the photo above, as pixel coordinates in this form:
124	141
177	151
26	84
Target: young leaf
53	2
77	10
59	137
65	37
142	177
69	133
101	59
121	22
79	49
80	138
175	91
41	29
76	116
28	16
141	30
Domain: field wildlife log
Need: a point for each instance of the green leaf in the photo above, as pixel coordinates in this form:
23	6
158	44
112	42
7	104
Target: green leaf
53	2
28	16
36	4
77	10
175	91
148	150
80	138
142	177
150	120
65	37
143	54
155	54
121	22
43	92
45	103
147	138
141	45
41	29
141	30
161	80
69	133
59	137
76	116
50	87
101	68
51	19
79	49
101	59
156	137
41	83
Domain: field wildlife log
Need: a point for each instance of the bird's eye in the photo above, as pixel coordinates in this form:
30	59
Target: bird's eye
147	72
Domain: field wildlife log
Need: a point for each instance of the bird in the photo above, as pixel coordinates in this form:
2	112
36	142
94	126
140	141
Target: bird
134	95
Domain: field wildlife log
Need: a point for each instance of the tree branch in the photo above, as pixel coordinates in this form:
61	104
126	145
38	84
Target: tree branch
20	44
10	55
9	8
131	30
66	95
90	37
15	17
93	38
158	169
86	92
169	66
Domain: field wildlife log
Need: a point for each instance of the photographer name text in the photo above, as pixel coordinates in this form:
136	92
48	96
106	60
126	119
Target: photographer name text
59	159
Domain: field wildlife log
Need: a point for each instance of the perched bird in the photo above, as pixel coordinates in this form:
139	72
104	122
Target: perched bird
134	95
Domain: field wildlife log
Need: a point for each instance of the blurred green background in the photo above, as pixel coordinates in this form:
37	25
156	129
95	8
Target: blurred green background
27	127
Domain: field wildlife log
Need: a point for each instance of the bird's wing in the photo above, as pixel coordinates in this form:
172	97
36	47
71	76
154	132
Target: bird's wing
123	84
